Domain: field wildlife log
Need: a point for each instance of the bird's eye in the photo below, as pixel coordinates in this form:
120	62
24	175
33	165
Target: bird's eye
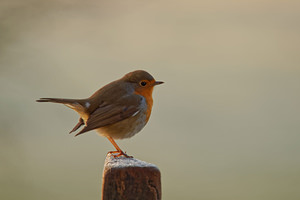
143	83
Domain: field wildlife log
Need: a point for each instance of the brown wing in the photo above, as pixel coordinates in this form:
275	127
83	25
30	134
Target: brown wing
107	114
77	126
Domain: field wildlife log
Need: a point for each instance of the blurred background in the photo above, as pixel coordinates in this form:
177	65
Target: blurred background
225	125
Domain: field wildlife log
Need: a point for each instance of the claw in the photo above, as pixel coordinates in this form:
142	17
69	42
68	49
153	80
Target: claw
118	154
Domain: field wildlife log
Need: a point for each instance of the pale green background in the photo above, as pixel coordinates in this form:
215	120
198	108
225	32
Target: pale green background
225	125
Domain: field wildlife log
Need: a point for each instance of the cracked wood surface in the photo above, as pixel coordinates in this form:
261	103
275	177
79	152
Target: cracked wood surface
130	179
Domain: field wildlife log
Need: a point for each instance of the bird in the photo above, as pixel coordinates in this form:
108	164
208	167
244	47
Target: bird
118	110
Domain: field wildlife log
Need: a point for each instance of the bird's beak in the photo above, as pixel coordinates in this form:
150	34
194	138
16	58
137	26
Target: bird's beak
158	82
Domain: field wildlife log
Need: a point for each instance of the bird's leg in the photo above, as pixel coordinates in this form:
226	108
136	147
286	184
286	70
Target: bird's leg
119	151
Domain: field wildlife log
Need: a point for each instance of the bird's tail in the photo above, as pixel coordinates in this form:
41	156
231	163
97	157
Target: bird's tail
71	103
76	104
58	100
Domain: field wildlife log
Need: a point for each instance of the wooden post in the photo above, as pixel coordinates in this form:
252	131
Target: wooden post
130	179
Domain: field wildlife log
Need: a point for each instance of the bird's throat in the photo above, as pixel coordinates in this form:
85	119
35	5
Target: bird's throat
147	94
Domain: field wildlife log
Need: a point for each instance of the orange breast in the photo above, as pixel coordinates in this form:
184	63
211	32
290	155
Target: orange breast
147	93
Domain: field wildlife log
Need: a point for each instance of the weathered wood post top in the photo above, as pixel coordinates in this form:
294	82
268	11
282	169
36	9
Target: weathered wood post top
130	178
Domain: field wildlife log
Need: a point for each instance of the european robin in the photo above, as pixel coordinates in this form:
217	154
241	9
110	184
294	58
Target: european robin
118	110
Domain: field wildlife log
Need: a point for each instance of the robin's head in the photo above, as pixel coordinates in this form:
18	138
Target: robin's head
142	83
141	79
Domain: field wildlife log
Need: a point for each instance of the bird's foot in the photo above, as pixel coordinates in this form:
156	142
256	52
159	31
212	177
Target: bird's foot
116	154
